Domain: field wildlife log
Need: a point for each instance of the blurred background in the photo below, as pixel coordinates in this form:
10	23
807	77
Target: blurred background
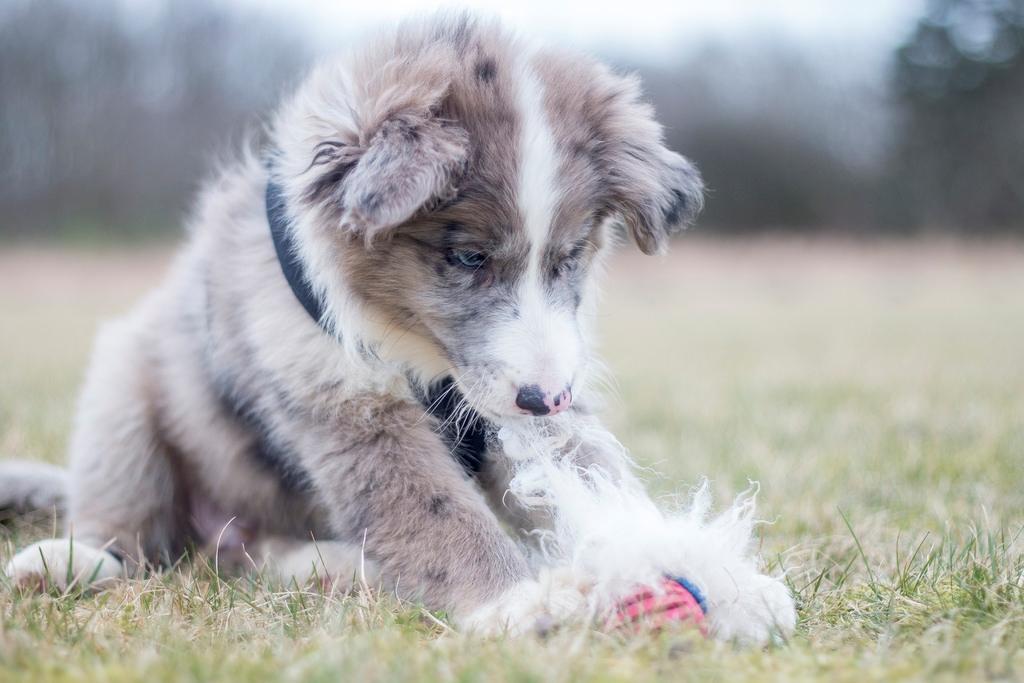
870	117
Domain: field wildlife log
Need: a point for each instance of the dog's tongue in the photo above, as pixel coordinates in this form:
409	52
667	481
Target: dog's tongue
672	603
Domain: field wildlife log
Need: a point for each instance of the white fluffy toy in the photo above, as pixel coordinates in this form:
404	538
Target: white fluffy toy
619	547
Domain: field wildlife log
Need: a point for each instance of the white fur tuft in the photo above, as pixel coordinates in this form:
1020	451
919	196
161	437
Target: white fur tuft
615	538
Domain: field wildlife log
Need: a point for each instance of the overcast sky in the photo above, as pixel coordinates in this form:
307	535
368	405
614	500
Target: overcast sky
655	29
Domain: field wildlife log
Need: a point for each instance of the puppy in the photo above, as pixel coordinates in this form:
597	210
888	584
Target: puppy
408	264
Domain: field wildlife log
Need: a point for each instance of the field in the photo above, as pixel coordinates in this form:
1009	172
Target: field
876	392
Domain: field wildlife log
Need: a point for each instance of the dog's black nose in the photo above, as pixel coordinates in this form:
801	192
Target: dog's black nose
531	398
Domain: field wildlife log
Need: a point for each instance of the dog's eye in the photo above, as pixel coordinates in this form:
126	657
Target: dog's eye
569	262
563	267
467	258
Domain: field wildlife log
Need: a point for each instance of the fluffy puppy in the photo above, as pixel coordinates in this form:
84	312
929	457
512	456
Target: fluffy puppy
408	264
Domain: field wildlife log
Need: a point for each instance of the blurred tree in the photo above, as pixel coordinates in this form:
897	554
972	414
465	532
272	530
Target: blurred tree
110	111
784	142
960	81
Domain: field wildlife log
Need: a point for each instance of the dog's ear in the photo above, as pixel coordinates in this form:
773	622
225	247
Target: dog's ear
655	191
412	160
661	196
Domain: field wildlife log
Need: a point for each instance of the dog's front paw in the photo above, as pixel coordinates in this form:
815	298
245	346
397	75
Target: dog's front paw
61	563
556	597
762	609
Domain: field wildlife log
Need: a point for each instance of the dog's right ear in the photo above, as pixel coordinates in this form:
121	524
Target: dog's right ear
412	160
655	191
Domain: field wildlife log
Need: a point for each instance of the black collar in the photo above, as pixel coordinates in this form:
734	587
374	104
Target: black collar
288	253
467	441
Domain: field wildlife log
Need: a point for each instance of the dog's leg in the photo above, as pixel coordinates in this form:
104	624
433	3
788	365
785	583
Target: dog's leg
385	475
121	485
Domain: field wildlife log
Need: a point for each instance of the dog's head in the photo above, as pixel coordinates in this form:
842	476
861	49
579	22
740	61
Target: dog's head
459	190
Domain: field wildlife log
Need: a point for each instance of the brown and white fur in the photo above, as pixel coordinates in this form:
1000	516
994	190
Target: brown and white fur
451	191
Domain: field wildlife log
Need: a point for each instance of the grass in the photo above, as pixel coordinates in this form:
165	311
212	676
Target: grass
876	392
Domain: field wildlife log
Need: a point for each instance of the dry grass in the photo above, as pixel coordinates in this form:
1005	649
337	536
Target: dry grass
876	392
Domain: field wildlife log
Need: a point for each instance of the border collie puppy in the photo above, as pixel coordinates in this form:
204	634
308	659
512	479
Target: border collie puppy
407	265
